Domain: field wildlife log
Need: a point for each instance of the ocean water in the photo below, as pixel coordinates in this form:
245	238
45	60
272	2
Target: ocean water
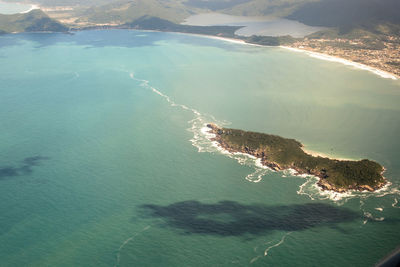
104	160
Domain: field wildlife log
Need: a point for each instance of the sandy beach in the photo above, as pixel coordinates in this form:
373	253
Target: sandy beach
322	56
320	154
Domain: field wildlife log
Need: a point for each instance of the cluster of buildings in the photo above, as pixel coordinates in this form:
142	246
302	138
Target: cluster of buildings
383	55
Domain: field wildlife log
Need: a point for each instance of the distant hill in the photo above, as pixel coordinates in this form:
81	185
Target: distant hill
54	3
276	8
154	23
215	5
348	14
34	21
123	11
347	18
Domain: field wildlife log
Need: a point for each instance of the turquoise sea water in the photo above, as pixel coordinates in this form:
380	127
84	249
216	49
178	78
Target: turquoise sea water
104	163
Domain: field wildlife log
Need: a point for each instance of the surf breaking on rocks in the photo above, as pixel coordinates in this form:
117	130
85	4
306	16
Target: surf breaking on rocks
203	140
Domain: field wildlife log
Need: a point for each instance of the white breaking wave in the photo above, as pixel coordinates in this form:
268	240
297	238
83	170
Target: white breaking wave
277	244
254	259
394	204
202	140
256	176
311	189
369	216
127	241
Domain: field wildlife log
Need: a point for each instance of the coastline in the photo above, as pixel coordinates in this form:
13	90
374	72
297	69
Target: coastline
327	57
321	56
318	55
322	184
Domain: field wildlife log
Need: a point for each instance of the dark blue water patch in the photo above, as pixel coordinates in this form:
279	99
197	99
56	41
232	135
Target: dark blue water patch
109	38
229	218
40	39
7	40
25	167
90	38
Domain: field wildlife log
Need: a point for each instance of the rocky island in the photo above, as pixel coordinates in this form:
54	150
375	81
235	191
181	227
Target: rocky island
280	153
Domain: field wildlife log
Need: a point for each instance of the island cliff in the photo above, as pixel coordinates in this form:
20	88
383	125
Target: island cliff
280	153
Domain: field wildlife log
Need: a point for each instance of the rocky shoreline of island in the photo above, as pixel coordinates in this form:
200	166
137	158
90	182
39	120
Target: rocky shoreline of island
264	153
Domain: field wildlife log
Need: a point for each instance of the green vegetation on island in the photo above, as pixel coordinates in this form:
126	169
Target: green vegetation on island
281	153
33	21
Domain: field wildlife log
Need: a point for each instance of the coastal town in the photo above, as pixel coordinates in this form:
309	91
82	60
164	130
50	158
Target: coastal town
383	55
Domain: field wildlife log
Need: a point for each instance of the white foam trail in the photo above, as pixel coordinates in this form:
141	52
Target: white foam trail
394	204
202	137
256	176
277	244
312	190
127	241
146	84
369	216
202	140
321	56
303	191
254	259
362	203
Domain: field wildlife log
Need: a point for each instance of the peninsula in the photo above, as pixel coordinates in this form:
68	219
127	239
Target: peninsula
280	153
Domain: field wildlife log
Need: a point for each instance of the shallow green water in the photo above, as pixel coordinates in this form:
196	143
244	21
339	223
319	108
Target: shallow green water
103	161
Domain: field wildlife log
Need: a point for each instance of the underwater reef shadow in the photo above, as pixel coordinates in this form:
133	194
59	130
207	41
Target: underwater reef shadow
25	168
229	218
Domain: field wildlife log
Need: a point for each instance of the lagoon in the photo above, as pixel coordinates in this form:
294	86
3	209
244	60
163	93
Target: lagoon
264	26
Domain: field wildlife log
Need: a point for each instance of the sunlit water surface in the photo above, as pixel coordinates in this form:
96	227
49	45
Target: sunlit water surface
104	161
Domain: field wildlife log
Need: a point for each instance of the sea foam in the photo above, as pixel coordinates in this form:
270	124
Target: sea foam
203	140
277	244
